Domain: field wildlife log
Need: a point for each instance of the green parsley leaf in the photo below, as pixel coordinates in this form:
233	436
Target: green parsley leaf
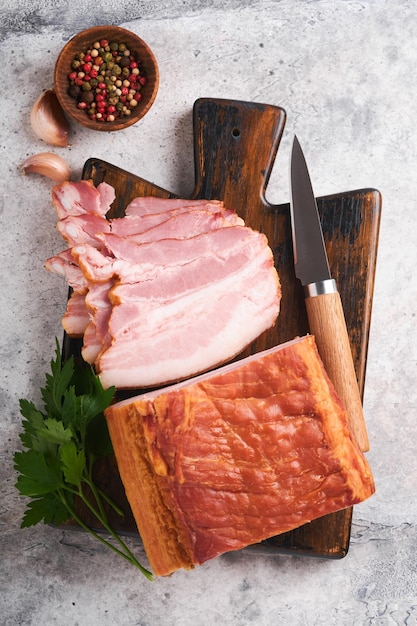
55	432
32	423
61	443
57	383
38	473
73	463
69	410
49	509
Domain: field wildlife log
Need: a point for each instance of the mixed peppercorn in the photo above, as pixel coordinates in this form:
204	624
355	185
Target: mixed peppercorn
106	81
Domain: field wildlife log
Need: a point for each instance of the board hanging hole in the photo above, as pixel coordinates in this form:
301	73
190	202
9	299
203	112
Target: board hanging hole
236	133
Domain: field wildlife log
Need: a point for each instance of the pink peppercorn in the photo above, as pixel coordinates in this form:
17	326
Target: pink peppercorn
101	87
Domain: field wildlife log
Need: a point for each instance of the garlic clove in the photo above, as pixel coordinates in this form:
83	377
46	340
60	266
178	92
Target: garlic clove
47	164
48	119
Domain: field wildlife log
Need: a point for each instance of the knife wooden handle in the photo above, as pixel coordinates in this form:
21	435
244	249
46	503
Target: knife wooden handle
327	323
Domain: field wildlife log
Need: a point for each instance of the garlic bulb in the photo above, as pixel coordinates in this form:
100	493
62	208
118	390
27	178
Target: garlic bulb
48	119
47	164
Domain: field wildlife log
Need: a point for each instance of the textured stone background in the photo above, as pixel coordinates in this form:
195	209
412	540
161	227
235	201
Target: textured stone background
344	71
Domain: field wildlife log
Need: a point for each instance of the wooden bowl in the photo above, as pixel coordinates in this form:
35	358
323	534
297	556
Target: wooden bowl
83	41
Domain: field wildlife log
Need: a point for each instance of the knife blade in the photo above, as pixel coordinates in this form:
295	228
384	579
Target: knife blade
323	304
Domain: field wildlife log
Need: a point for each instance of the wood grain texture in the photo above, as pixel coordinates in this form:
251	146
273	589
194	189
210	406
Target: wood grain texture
327	323
235	147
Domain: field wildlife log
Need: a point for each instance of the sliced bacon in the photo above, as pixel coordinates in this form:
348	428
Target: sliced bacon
134	224
219	243
153	227
76	317
150	204
76	229
185	273
65	265
97	266
100	308
138	222
183	226
170	282
91	344
76	198
132	262
188	319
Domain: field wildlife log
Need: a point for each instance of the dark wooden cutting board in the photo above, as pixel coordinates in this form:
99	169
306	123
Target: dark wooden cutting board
235	145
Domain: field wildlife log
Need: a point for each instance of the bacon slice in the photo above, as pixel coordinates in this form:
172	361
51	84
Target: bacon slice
76	317
65	265
96	337
91	344
236	456
76	229
134	224
184	225
150	204
76	198
125	258
219	243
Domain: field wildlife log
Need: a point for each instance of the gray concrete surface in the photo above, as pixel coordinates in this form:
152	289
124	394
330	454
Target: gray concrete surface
344	70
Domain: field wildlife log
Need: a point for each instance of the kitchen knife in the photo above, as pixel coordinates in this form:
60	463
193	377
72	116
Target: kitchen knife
323	304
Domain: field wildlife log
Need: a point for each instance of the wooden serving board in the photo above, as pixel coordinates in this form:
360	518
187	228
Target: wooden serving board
235	145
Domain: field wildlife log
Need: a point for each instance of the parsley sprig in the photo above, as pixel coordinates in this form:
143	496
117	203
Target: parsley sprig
61	444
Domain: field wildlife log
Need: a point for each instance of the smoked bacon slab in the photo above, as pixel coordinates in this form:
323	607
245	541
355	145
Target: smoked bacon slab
233	457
